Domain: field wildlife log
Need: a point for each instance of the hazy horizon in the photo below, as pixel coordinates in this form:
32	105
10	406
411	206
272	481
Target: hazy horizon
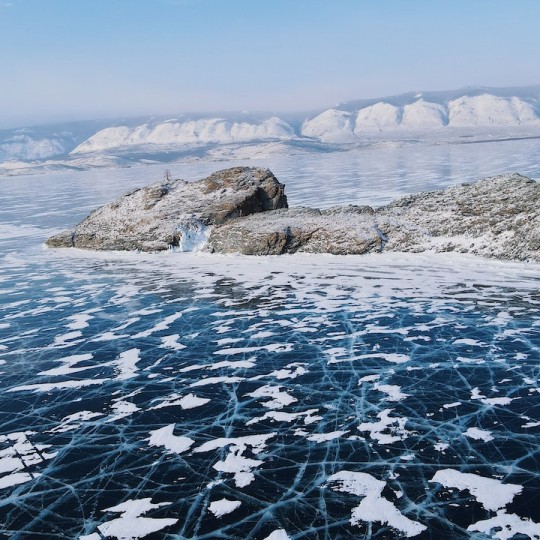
65	61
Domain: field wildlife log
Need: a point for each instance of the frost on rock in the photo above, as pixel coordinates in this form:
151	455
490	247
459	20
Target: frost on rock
175	213
497	217
244	210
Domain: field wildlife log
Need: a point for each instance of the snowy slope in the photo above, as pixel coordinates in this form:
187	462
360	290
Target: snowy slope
489	110
331	126
378	117
26	147
172	132
43	142
470	108
423	115
477	113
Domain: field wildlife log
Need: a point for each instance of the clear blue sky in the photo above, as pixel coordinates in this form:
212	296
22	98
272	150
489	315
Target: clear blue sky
77	59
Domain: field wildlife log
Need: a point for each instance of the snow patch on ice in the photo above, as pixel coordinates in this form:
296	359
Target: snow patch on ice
506	526
190	401
173	443
324	437
489	492
479	434
130	525
223	507
279	534
373	507
394	425
277	398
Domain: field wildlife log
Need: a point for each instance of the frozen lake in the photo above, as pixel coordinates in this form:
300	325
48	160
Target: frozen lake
185	396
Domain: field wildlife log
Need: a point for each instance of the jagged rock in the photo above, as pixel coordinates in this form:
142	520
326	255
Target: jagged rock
228	212
174	213
497	217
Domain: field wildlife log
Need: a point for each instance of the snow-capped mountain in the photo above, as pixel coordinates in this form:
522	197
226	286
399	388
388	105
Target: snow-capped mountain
417	116
187	131
43	142
471	108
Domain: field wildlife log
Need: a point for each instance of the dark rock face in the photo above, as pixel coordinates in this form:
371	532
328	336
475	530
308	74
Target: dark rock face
339	231
175	213
244	210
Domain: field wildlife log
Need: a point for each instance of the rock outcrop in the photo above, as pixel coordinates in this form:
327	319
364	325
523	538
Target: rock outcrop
245	211
175	213
339	231
497	217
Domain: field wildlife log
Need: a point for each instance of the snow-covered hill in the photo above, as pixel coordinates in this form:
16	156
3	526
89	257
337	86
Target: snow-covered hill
43	142
187	131
475	113
474	108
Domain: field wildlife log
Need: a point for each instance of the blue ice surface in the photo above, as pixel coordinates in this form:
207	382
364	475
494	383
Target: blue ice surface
409	365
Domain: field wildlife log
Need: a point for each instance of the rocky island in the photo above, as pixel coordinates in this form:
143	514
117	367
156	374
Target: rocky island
244	210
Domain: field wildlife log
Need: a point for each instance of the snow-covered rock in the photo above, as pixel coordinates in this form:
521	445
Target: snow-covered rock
497	217
174	213
338	231
227	212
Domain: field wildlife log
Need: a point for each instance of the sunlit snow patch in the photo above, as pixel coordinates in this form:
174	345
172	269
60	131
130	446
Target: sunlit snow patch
173	443
373	507
223	507
130	525
491	493
20	455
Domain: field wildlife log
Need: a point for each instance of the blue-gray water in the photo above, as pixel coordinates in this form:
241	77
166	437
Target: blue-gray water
310	397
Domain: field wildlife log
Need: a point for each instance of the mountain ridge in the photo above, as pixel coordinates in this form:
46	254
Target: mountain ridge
413	115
